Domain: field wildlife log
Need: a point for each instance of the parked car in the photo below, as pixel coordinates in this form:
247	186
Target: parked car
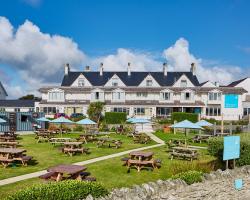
76	115
57	115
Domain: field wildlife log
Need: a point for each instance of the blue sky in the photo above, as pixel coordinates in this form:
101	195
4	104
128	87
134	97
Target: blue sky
216	34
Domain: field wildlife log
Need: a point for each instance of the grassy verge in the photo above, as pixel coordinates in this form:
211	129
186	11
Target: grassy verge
46	155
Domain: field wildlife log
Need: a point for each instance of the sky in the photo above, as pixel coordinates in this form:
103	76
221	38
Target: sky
37	37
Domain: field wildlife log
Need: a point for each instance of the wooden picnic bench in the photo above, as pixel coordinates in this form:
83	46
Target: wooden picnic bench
60	141
141	139
109	142
72	148
7	138
8	144
201	138
87	137
139	160
184	153
9	155
64	172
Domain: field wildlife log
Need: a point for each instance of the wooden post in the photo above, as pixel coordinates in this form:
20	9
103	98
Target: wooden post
222	124
226	164
174	128
231	128
233	163
215	128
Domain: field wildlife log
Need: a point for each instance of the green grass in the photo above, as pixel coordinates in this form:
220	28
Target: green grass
113	175
46	155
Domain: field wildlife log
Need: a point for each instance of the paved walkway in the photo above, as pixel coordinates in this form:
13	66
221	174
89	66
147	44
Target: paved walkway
86	162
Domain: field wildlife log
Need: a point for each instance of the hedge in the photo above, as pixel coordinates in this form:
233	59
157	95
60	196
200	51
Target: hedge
215	148
115	117
189	177
180	116
65	190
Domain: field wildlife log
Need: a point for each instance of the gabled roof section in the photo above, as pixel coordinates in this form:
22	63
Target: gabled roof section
1	85
235	83
17	103
133	80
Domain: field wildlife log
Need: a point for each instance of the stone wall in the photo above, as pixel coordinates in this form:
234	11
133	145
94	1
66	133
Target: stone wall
218	185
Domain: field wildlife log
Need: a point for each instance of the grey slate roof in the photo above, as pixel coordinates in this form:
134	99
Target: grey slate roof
1	85
134	80
17	103
235	83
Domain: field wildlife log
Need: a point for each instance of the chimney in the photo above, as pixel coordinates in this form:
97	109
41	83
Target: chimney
101	69
165	69
87	68
129	69
66	69
193	69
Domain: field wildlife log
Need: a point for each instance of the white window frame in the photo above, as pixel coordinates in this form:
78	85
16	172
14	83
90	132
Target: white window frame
183	83
149	82
81	82
56	95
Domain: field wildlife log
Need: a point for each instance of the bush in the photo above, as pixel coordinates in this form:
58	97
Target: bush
215	148
189	177
180	116
115	117
65	190
78	128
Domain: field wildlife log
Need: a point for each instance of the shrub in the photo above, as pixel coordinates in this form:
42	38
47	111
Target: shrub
76	119
115	117
180	116
78	128
65	190
215	148
189	177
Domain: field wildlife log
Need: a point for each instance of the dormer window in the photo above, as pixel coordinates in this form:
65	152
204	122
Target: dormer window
166	96
80	82
183	83
115	82
187	96
149	83
97	95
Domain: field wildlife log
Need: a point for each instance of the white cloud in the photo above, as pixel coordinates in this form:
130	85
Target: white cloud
139	61
38	57
179	59
33	3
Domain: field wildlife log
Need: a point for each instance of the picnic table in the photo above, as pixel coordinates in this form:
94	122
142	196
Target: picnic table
106	141
141	138
43	137
74	147
9	155
8	144
7	138
61	141
201	138
140	159
184	153
88	137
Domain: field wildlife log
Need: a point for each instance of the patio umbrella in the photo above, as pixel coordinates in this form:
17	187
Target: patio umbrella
203	123
131	119
61	120
186	125
140	121
86	121
43	119
2	120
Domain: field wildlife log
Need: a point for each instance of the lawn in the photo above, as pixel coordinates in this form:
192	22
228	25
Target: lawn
46	155
113	175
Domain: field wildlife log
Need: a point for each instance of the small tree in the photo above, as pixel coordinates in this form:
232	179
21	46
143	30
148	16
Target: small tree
95	111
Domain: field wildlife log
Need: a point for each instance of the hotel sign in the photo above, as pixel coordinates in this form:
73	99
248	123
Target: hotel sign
231	101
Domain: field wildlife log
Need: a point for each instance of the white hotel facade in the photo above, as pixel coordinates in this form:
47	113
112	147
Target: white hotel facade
144	94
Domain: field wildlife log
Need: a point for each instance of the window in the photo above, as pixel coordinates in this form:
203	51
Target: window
80	82
2	109
24	118
17	109
31	109
166	96
187	96
97	95
139	111
118	95
183	83
163	111
120	109
115	82
213	111
56	96
141	94
214	96
246	111
149	83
